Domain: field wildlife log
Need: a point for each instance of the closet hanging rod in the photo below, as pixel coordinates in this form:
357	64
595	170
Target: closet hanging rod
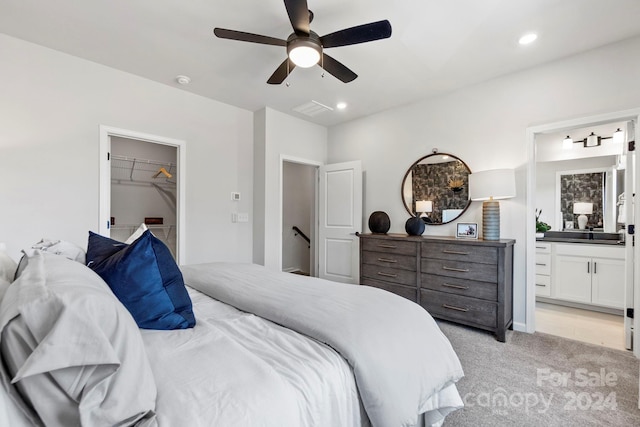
139	161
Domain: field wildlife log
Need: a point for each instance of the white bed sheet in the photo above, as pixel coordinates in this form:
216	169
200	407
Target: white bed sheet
237	369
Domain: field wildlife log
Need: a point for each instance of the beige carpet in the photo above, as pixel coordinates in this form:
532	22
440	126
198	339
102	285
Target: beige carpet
542	380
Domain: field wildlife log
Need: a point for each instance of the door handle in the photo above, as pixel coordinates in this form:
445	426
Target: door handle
595	267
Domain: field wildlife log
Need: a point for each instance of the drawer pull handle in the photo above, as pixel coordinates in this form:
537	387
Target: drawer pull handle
540	263
387	260
453	307
540	247
380	273
386	246
460	270
454	252
447	285
542	286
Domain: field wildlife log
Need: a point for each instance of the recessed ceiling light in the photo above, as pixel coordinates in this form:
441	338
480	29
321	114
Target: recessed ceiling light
341	105
528	38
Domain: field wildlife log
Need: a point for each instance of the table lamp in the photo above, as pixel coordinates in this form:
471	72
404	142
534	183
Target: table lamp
424	206
582	209
490	186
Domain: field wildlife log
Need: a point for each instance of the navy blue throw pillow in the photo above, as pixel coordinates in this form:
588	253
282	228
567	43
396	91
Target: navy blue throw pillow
145	278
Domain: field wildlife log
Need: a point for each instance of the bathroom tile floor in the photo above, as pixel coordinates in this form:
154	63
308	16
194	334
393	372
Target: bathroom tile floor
581	325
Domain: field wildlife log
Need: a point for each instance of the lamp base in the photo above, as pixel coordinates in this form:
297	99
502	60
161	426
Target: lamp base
491	220
582	221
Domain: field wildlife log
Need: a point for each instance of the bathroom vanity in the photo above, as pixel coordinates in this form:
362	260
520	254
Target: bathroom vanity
582	268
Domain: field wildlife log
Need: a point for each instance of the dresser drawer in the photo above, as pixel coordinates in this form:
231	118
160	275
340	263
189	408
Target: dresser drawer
543	264
461	269
460	252
470	288
407	292
404	262
390	246
459	308
394	275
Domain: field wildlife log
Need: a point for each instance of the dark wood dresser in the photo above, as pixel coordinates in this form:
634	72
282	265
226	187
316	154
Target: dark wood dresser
464	281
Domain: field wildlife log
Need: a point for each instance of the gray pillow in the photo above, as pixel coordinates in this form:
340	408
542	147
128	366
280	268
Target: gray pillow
71	352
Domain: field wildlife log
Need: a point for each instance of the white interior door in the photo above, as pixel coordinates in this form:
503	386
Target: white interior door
340	217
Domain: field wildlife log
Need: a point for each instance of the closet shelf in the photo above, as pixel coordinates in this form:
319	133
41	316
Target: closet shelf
156	229
126	169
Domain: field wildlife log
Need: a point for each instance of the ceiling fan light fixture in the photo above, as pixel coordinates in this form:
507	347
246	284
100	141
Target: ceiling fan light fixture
304	52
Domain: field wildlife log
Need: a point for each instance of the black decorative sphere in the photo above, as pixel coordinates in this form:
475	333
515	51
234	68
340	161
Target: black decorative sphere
379	222
414	226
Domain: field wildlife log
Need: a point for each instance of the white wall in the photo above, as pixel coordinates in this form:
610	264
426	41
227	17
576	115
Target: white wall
485	126
298	200
278	137
51	107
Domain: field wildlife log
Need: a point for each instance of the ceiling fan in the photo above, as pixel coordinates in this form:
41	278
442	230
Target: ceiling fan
305	48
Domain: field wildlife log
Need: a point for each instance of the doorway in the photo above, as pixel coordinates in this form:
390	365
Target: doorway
566	305
299	191
143	190
134	163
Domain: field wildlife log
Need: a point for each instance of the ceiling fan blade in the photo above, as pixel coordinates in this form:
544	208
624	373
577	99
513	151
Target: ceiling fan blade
298	12
248	37
281	72
337	69
360	34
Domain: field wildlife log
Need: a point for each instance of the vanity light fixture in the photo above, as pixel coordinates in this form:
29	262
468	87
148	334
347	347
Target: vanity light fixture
618	136
593	140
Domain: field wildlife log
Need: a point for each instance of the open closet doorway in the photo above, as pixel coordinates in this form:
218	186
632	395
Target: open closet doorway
581	282
142	181
143	190
299	190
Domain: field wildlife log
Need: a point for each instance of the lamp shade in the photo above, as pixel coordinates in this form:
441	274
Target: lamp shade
583	208
424	206
492	184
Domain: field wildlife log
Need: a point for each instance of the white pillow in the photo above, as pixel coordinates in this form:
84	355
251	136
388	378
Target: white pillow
136	234
8	267
62	247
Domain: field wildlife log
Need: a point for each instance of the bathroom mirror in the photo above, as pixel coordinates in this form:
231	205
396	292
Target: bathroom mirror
436	188
590	194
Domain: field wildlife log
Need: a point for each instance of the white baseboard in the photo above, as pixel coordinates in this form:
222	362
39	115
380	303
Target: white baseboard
520	327
290	269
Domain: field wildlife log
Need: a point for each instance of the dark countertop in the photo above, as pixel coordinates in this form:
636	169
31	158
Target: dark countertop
582	237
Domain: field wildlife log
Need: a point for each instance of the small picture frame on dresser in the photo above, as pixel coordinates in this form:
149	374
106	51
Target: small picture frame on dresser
467	230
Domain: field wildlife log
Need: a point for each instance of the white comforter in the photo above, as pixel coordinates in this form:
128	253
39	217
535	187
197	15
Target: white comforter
403	364
236	369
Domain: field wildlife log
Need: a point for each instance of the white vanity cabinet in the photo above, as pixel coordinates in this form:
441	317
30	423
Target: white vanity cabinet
590	274
543	269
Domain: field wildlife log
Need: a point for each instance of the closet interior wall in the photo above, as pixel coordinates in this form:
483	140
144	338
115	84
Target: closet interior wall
143	185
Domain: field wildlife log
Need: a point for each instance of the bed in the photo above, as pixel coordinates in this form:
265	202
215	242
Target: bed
265	349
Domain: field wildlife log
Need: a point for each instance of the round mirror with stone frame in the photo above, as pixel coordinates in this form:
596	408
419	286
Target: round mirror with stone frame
436	188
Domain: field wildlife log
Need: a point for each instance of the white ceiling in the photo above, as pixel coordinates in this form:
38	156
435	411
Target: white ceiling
436	46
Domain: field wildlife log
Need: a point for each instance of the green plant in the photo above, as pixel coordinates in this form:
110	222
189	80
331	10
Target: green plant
541	227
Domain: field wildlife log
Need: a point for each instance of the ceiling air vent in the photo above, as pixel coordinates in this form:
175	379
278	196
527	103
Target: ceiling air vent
312	108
